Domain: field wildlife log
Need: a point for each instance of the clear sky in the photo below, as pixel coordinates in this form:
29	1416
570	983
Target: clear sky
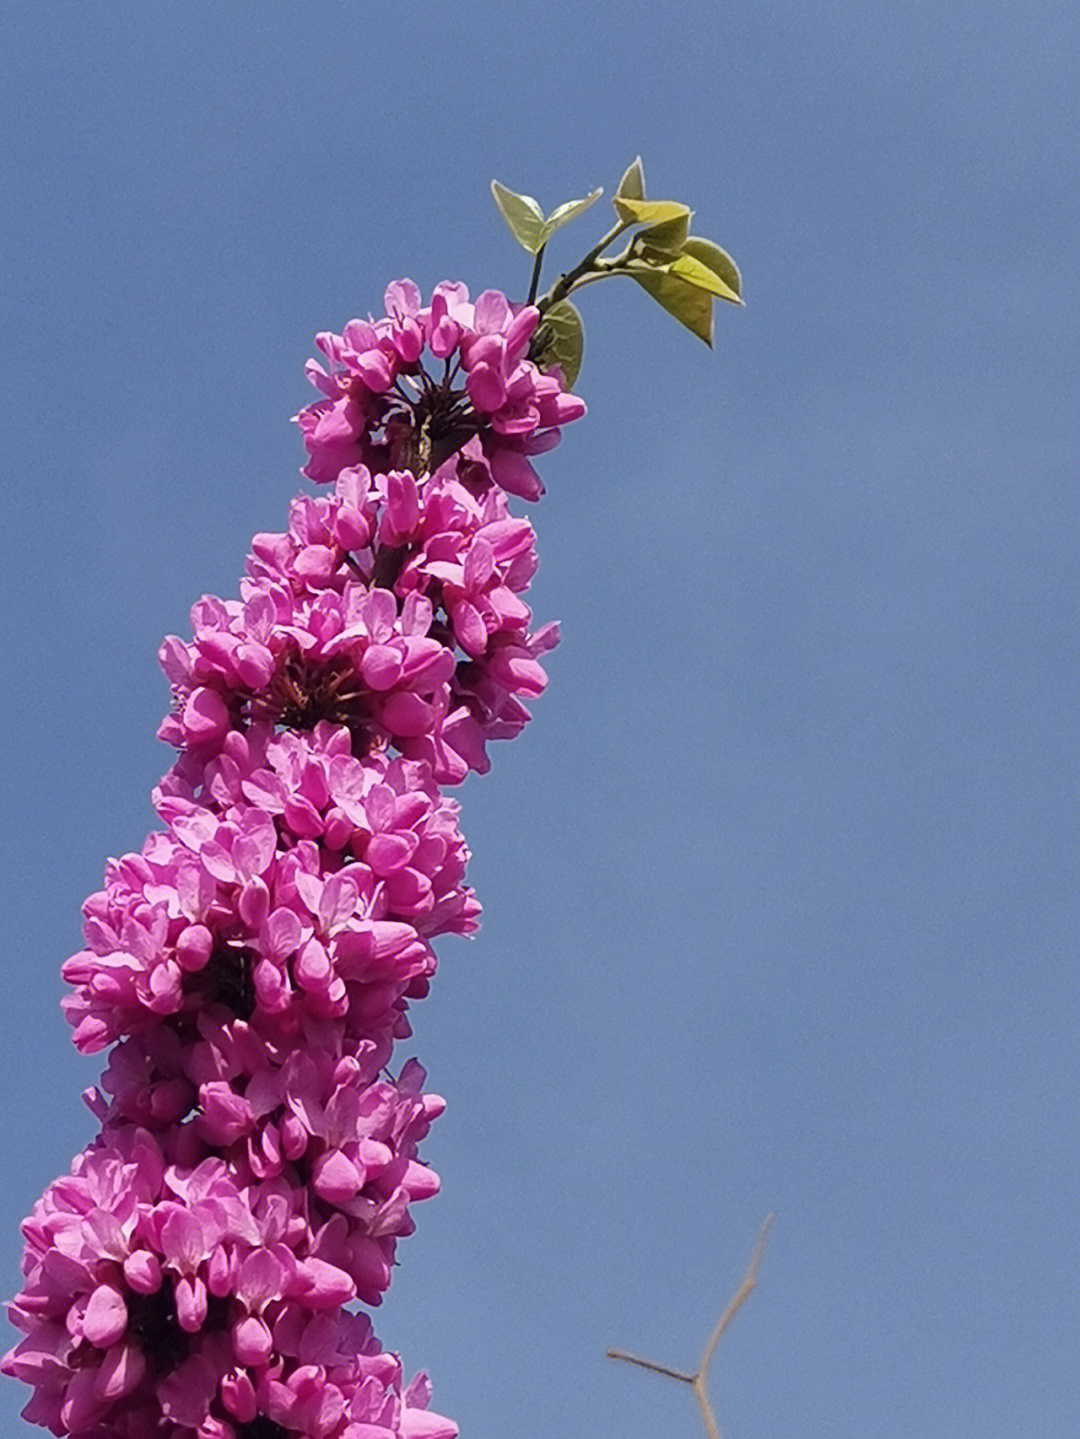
780	887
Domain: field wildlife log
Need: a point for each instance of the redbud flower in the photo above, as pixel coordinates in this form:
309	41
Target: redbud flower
488	410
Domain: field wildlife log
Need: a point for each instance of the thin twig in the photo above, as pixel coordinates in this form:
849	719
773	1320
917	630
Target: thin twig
741	1295
648	1364
698	1379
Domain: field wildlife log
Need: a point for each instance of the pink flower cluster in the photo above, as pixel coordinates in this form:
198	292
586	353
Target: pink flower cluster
250	968
488	411
391	608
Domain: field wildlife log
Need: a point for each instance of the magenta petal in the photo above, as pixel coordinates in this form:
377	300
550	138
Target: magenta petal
185	1393
142	1271
121	1370
420	1182
388	852
518	671
401	298
313	965
335	1178
194	946
406	714
206	716
374	369
381	666
251	1341
444	337
487	350
283	933
81	1403
325	1286
512	471
520	331
486	388
261	1279
190	1304
492	312
338	423
469	628
423	1424
106	1316
479	564
238	1397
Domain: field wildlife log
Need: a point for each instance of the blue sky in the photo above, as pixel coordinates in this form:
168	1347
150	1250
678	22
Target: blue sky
780	887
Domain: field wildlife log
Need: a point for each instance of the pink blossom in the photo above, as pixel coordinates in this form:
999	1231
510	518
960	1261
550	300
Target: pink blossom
368	622
238	908
380	403
322	1119
252	965
147	1278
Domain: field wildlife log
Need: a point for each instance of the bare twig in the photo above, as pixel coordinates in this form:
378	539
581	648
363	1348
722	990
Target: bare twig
648	1364
698	1379
741	1295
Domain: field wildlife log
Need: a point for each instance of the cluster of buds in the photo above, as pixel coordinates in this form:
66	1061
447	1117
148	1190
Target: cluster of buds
249	970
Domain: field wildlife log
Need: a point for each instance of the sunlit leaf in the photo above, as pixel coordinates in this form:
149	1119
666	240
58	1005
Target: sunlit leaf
649	212
718	261
689	304
564	341
632	184
668	237
570	211
523	216
696	272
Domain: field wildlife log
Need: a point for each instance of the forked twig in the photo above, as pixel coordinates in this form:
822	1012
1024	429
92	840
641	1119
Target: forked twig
697	1380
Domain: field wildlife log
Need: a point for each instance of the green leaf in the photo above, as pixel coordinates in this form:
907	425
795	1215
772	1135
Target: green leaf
718	261
649	212
687	303
632	184
565	341
696	272
668	237
570	211
523	216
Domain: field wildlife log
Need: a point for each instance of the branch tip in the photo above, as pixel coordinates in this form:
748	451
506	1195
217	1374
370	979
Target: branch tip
739	1298
696	1380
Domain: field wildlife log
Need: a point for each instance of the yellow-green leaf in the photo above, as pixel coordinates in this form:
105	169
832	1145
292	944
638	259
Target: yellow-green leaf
668	237
649	212
523	217
570	211
632	184
565	341
718	261
689	304
696	272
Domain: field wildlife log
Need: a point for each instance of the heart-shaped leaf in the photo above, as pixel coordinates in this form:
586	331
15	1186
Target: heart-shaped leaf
523	216
564	341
